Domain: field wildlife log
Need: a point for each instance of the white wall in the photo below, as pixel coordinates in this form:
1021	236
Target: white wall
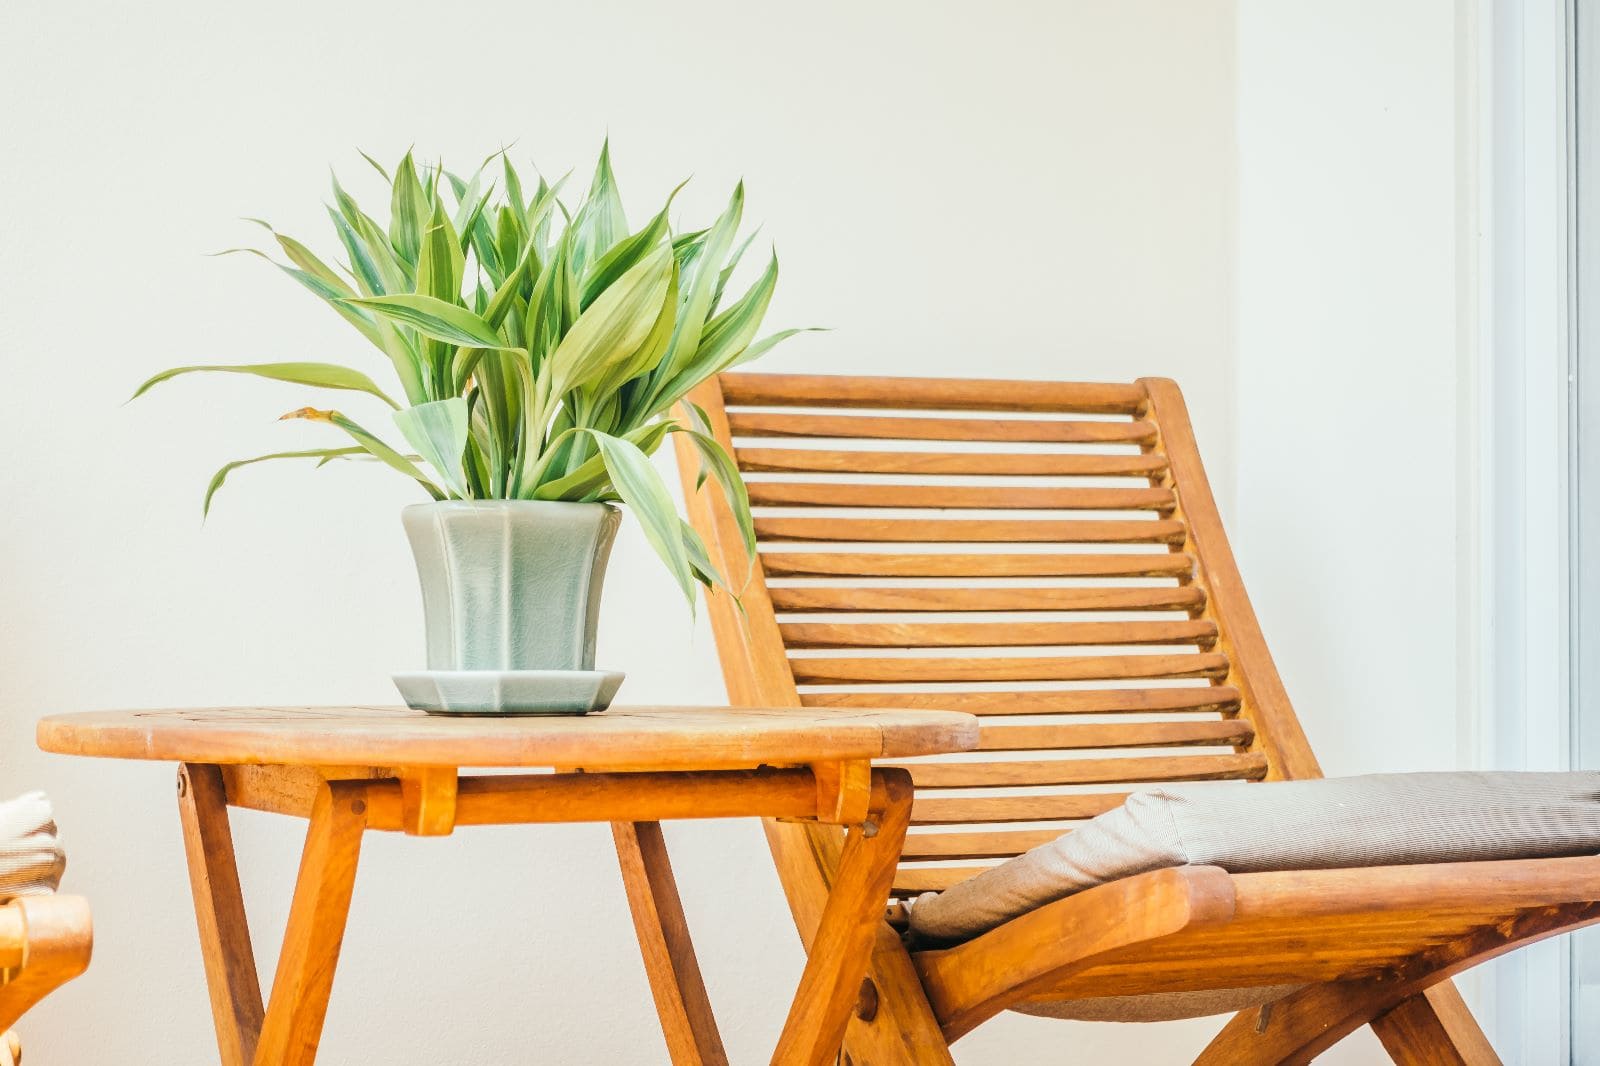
1036	190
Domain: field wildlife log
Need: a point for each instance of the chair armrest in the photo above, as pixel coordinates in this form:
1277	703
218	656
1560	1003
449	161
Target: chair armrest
45	941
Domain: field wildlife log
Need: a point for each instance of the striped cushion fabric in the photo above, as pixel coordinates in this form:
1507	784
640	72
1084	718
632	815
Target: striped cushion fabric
31	859
1374	820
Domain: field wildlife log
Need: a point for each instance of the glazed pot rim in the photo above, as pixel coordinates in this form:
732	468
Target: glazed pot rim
496	505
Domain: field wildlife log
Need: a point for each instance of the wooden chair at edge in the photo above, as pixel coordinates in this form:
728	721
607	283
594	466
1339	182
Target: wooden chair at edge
45	941
1365	947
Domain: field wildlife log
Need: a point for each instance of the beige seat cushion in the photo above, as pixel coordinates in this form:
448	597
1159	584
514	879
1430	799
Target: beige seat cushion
31	859
1376	820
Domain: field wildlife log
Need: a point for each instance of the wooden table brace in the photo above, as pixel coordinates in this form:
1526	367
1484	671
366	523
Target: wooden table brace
341	803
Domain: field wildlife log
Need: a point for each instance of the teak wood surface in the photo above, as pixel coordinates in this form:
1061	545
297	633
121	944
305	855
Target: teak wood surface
348	770
1049	557
45	941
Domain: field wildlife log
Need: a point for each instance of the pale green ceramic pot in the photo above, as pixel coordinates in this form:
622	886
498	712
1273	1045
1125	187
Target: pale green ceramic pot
510	586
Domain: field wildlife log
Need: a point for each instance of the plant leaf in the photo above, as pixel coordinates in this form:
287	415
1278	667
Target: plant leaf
625	255
601	222
615	325
434	318
642	489
320	375
438	431
322	454
763	346
408	210
371	444
726	473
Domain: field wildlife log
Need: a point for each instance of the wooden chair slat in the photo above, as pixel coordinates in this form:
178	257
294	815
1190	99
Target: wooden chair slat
978	464
912	881
933	809
958	530
882	427
989	497
1247	766
930	394
1198	698
1000	844
843	671
1041	564
1074	736
993	634
818	599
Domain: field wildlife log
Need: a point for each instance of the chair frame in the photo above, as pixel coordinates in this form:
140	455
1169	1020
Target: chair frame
45	941
1373	946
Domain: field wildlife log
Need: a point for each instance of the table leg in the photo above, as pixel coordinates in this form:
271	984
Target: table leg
843	943
300	989
669	959
219	908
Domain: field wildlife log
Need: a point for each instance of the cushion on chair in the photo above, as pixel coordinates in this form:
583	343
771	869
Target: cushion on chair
31	859
1374	820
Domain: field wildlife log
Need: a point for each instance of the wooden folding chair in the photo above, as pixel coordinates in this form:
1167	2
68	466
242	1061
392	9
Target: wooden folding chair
44	942
859	486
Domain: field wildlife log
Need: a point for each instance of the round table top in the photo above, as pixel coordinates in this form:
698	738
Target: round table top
620	737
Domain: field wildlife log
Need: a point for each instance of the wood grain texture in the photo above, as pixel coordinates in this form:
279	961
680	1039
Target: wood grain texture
292	1028
765	493
1072	736
994	634
932	394
687	1022
938	810
1067	936
50	938
978	464
630	737
969	531
225	946
1246	766
1434	1029
1196	698
999	844
961	564
842	944
889	427
815	599
839	671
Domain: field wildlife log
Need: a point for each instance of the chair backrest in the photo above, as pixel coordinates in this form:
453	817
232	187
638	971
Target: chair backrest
1045	555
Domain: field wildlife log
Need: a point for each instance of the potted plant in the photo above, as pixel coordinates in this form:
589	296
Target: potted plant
539	350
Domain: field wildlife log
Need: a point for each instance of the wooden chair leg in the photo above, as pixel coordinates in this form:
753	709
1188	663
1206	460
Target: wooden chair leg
849	925
669	960
292	1027
897	1026
219	909
1435	1029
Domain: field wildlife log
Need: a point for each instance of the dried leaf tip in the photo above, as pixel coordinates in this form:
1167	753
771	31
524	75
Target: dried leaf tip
310	413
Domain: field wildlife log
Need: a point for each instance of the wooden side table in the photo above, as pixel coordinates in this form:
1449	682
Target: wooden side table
351	769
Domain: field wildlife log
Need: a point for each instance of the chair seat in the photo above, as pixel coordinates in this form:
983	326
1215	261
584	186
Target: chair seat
1186	937
1328	823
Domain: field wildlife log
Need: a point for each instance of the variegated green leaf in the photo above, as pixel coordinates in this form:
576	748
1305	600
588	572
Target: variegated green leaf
370	443
438	431
435	318
323	455
320	375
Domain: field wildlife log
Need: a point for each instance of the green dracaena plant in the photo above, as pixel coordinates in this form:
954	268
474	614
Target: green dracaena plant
539	348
